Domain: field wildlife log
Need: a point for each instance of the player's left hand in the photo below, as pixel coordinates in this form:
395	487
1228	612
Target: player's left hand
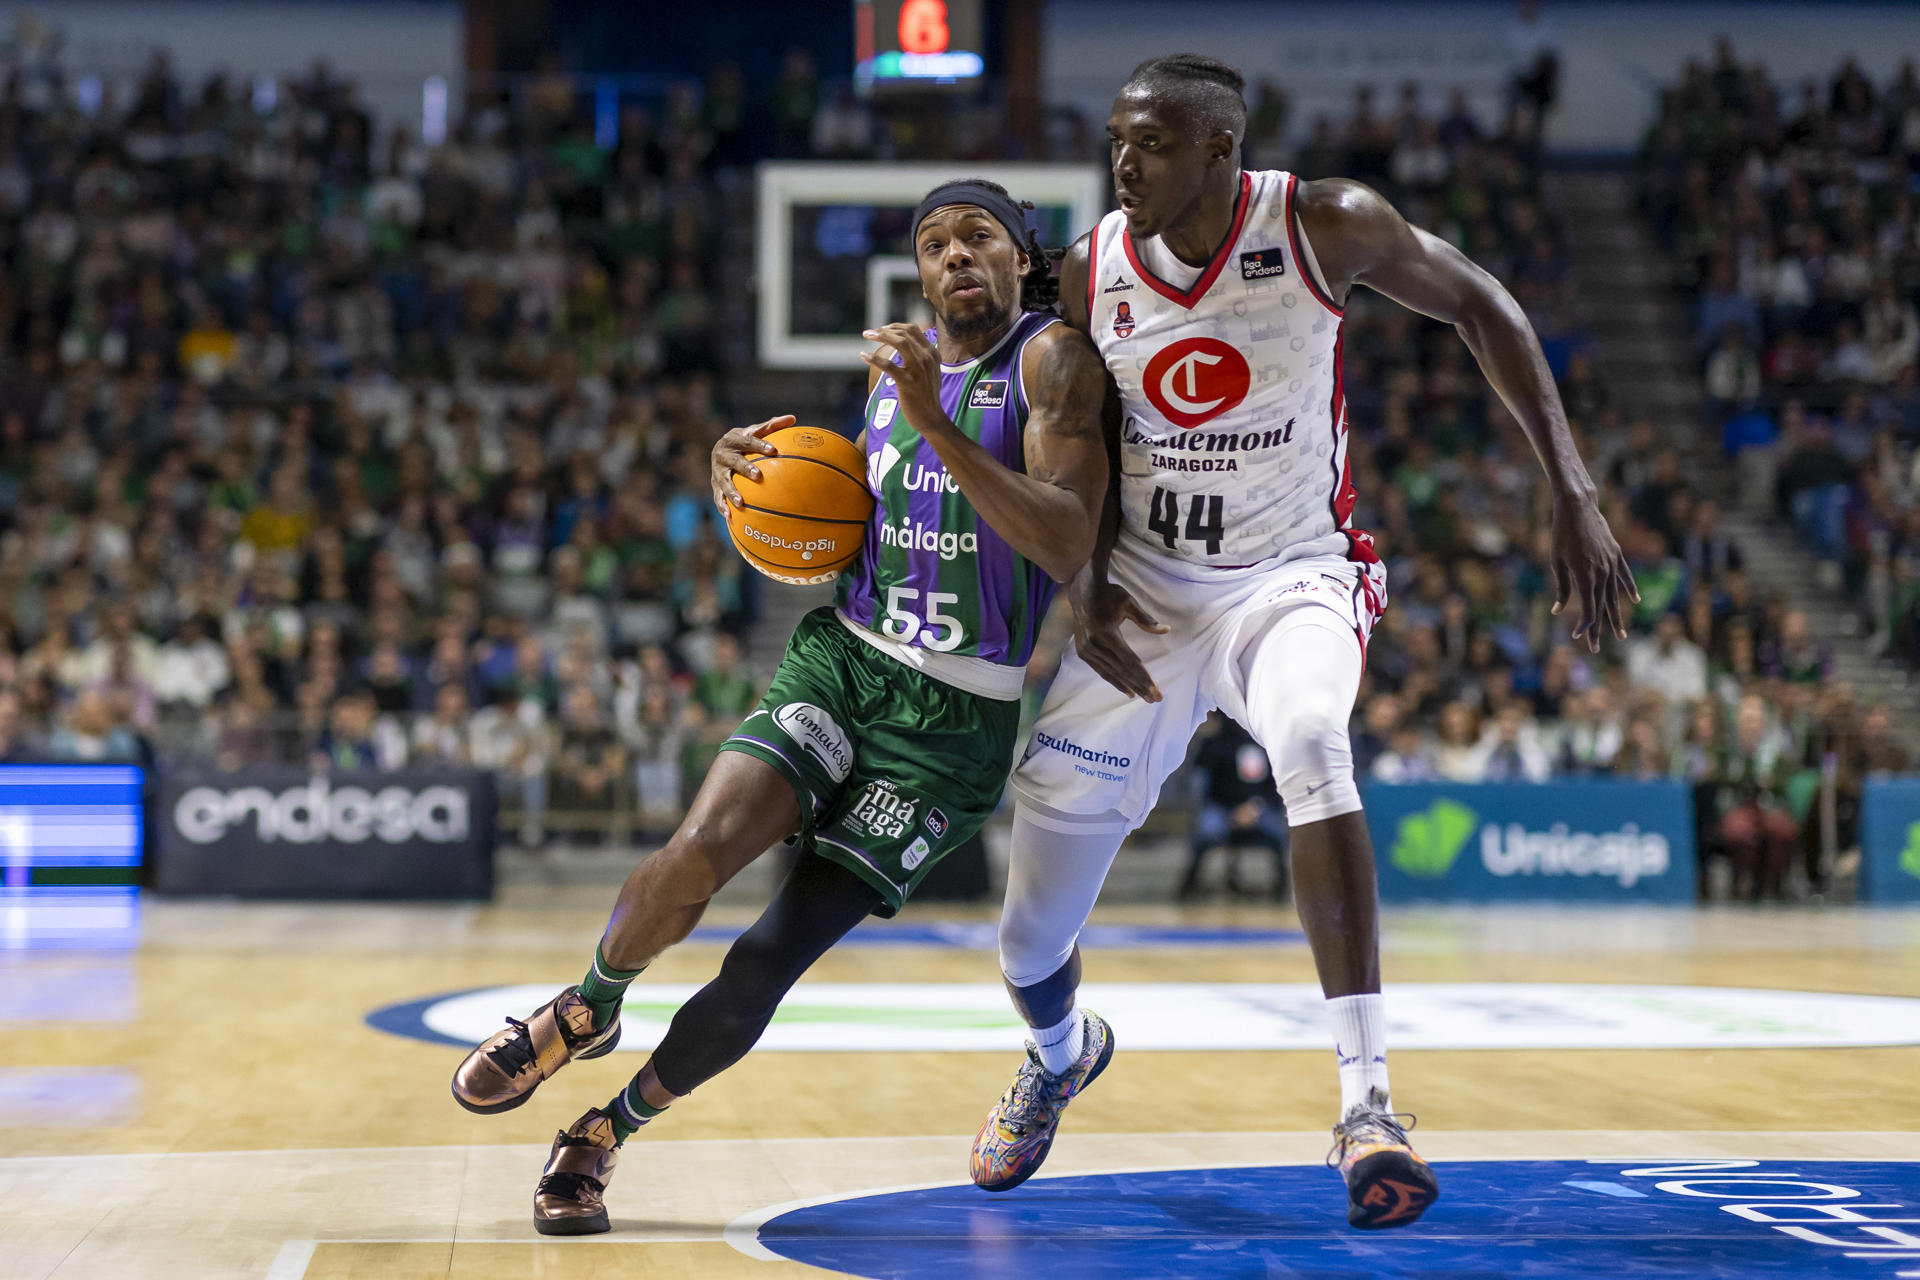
917	375
1590	571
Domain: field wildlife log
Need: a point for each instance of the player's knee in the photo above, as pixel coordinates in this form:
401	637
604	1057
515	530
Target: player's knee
757	975
710	847
1314	741
1025	960
1030	948
1313	764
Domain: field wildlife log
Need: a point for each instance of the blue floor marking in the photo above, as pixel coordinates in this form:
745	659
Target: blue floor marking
1495	1220
981	936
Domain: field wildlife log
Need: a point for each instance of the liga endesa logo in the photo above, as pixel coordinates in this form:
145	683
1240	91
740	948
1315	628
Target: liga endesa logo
320	811
807	547
1196	379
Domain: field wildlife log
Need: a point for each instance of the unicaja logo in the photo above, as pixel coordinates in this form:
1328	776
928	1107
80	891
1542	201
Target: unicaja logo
319	812
1910	856
1426	844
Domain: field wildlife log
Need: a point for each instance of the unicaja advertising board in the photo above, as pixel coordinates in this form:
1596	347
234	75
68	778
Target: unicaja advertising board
1890	840
1576	841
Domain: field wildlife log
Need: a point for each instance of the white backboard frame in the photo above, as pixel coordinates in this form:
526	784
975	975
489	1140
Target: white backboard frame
884	270
783	185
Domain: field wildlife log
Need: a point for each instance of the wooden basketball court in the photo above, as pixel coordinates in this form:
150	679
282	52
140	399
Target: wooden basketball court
213	1101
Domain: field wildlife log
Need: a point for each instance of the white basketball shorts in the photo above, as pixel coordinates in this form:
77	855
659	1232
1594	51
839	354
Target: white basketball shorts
1095	752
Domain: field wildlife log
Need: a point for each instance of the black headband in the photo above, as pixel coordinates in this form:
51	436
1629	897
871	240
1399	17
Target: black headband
974	192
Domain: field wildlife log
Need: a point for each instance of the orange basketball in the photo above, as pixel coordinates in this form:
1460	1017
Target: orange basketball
806	516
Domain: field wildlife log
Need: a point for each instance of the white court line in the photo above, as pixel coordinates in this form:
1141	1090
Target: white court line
503	1146
291	1262
295	1256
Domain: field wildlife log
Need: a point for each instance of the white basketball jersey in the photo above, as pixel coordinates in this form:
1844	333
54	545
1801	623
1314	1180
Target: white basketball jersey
1234	435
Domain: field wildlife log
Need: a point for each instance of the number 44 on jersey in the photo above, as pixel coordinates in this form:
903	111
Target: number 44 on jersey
1204	522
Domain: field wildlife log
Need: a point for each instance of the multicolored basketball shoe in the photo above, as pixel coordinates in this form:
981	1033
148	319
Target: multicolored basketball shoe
504	1070
1388	1185
1019	1130
571	1197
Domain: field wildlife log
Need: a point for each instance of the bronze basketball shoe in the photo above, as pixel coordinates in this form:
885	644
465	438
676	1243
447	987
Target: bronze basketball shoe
504	1070
1388	1184
571	1197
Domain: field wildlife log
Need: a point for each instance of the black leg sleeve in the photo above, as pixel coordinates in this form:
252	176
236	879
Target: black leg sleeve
818	904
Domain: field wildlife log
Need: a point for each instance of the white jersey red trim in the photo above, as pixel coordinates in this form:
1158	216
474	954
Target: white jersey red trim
1234	432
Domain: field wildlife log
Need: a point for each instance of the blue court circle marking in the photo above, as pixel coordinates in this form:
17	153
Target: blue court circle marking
1676	1219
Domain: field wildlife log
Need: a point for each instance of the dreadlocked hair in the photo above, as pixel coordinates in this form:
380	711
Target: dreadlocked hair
1040	287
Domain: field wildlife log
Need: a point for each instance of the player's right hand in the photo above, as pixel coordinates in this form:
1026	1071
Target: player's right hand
1098	610
733	455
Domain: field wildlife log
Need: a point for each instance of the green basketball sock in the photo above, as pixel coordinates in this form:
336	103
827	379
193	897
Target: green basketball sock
604	986
628	1111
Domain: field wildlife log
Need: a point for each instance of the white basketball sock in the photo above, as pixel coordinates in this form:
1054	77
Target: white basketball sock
1360	1045
1061	1044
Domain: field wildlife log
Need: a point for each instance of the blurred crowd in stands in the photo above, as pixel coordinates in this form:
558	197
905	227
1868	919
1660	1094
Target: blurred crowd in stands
321	446
1791	213
1790	216
324	447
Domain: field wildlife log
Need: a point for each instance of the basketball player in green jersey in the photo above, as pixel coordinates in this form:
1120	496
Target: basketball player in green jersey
888	733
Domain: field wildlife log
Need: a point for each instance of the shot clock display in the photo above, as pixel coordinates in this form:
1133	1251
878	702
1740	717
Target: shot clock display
917	44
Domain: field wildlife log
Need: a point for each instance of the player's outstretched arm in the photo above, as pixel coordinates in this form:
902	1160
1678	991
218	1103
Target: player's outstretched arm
1051	513
1359	238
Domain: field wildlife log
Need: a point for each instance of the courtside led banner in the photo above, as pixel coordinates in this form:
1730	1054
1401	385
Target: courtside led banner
70	815
1575	841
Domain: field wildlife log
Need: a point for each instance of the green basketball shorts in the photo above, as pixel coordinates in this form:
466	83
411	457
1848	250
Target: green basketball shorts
891	767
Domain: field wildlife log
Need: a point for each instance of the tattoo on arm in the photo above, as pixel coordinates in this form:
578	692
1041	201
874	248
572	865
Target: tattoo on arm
1066	448
1067	401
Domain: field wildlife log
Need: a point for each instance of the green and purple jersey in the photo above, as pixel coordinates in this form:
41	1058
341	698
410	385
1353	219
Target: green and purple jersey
932	573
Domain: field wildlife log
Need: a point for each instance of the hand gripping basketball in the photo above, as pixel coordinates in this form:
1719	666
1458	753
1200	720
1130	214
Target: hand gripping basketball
733	454
795	499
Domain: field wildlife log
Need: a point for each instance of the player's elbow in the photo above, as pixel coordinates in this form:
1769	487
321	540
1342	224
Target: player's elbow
1487	308
1069	550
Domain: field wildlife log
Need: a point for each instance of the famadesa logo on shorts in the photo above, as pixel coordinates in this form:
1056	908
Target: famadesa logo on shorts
819	735
1427	844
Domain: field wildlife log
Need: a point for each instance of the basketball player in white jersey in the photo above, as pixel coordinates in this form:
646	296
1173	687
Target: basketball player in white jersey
1215	298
